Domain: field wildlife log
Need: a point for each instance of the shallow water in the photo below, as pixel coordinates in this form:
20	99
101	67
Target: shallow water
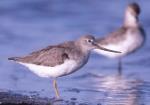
30	25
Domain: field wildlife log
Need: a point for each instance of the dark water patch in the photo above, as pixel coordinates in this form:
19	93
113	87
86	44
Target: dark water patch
73	90
81	90
87	75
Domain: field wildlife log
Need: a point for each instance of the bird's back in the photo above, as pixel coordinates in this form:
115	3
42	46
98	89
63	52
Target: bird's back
51	55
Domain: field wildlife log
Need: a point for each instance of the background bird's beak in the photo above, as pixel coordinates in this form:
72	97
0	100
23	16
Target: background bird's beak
105	49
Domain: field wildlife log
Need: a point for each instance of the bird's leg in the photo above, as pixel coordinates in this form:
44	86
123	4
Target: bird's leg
120	66
56	88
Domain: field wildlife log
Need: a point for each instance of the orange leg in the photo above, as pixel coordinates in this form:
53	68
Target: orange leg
56	89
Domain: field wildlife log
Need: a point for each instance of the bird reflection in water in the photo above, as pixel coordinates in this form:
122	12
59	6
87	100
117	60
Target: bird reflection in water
121	90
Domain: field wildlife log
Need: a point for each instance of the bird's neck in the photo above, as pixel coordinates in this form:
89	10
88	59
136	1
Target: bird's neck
82	49
131	20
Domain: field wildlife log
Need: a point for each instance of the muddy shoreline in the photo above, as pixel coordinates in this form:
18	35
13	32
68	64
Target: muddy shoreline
11	98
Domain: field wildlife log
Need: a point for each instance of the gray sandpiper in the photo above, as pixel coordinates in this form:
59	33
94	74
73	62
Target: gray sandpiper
60	60
127	39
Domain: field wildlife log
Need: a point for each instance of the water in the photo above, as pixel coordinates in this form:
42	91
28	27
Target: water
30	25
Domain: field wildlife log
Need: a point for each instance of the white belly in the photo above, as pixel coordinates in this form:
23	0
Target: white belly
67	67
131	43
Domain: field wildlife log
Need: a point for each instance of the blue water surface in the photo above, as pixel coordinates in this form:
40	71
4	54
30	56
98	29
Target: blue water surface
29	25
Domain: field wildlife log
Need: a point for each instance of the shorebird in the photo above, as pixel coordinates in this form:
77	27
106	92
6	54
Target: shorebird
60	60
127	39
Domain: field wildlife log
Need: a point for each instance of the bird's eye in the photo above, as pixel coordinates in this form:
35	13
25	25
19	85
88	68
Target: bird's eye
90	41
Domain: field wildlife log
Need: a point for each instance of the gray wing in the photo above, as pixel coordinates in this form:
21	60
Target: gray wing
50	56
113	37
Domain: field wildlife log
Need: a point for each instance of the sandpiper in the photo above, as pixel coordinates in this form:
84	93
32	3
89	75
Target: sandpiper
127	39
60	60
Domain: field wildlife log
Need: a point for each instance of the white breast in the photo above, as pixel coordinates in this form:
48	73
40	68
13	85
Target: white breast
67	67
125	46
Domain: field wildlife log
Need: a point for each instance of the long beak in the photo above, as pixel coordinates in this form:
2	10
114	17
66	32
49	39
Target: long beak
105	49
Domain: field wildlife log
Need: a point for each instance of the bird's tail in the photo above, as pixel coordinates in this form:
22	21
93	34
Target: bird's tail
13	58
